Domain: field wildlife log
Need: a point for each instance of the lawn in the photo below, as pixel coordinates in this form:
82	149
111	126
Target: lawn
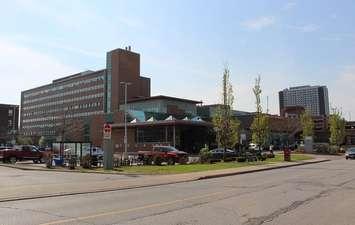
203	167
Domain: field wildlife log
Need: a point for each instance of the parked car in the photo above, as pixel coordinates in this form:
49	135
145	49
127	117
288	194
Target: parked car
160	154
21	152
350	153
217	154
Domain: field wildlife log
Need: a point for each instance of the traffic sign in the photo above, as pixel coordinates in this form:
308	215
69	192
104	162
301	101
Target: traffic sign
107	131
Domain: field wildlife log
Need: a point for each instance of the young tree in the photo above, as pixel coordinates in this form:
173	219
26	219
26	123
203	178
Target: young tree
21	140
226	126
260	125
42	141
337	128
307	124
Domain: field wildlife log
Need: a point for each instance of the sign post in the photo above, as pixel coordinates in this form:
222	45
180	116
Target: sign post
108	152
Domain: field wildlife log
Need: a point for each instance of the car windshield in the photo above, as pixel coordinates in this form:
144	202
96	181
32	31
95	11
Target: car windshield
352	150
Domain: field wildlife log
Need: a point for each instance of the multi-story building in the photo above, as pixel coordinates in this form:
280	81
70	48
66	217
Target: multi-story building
75	108
65	104
312	98
9	115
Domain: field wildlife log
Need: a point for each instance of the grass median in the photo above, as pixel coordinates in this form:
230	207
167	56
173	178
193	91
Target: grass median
176	169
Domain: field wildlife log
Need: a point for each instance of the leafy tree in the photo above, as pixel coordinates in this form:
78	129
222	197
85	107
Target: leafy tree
225	125
307	124
337	128
21	140
42	141
260	125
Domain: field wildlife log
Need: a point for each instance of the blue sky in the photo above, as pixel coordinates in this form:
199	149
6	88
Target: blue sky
185	44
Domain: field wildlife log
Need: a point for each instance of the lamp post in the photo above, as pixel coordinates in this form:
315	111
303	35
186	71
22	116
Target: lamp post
125	117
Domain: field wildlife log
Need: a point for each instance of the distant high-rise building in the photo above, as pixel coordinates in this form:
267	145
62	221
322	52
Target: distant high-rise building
312	98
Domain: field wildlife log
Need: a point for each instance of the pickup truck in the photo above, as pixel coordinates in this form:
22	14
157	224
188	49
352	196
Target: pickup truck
21	152
161	154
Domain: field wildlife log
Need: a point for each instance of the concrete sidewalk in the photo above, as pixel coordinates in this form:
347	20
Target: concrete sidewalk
61	184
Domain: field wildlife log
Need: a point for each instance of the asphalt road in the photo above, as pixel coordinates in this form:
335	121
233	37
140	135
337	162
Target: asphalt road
318	194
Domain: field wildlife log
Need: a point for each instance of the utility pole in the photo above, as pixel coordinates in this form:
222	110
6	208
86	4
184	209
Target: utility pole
125	117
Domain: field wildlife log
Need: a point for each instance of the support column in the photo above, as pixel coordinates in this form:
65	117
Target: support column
166	134
108	154
174	141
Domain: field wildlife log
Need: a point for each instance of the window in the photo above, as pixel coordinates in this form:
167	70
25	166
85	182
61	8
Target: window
11	112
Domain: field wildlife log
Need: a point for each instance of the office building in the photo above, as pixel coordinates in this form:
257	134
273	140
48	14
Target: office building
314	99
9	115
67	103
75	108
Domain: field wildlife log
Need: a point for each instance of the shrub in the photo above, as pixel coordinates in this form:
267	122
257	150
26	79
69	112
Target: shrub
158	160
333	149
86	162
241	159
205	155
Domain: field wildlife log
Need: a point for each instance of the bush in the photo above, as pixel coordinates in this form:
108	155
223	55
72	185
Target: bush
205	155
86	162
158	160
241	159
333	149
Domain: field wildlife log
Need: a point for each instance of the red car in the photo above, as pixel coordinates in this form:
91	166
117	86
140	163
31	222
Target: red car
21	152
161	154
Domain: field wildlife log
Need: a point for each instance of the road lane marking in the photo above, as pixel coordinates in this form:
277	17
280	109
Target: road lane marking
133	209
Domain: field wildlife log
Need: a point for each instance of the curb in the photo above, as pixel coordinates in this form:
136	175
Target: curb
260	170
154	185
65	171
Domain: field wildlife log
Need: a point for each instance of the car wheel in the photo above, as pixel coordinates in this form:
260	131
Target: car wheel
346	158
35	161
13	160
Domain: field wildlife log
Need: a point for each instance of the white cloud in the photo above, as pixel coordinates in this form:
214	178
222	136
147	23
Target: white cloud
307	28
23	68
289	5
333	16
259	23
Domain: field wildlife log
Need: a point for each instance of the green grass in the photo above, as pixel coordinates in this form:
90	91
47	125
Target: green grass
176	169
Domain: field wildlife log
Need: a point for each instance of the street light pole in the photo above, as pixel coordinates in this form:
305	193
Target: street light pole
125	117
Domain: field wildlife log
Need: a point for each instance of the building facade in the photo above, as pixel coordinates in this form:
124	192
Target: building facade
312	98
9	117
65	107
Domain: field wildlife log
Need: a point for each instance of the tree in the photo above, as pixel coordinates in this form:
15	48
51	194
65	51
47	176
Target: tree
42	141
225	125
307	124
260	125
21	140
337	128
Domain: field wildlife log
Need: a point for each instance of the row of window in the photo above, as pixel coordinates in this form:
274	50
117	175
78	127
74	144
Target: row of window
72	92
45	125
61	87
61	102
53	118
46	133
61	109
